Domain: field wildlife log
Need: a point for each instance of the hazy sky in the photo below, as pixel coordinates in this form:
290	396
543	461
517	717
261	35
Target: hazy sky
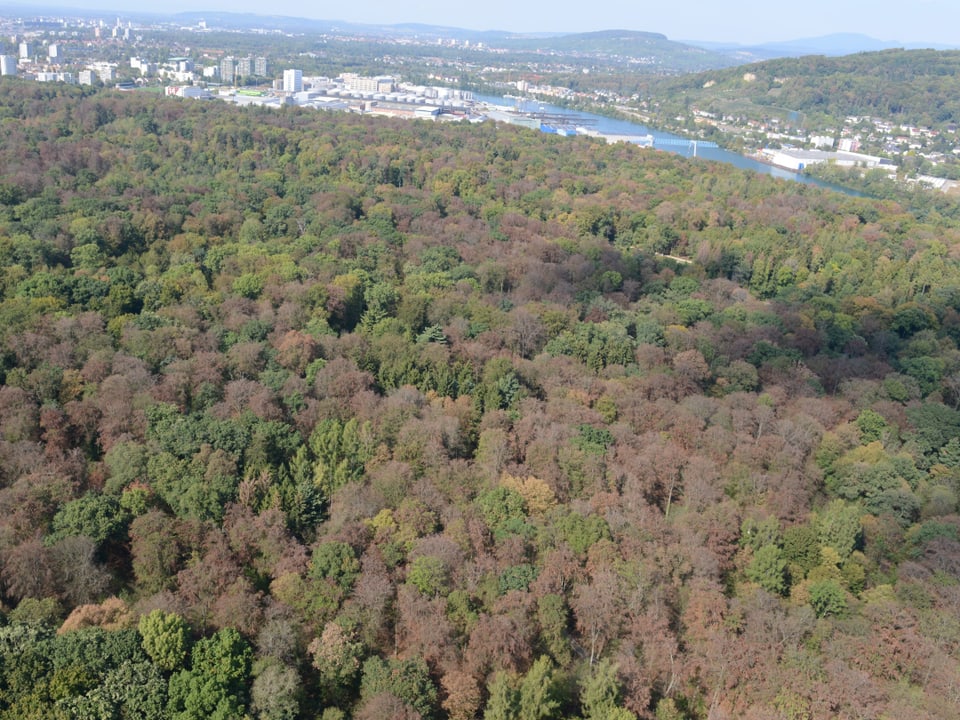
746	21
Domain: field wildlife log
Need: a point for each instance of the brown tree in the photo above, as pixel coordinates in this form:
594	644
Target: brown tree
597	606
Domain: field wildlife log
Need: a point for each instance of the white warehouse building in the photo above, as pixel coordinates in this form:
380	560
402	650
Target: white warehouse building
797	160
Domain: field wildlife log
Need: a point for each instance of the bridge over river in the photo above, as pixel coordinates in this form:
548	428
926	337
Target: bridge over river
624	130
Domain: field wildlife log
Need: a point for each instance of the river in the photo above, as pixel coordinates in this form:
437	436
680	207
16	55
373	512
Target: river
612	126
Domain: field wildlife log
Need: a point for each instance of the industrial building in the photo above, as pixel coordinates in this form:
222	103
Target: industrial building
187	91
364	84
797	160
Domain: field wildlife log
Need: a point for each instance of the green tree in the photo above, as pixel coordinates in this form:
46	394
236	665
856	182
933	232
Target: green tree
134	690
828	599
335	561
580	532
537	693
801	548
165	638
532	697
503	702
872	425
767	568
98	517
502	509
934	425
756	534
595	344
600	694
215	686
341	450
44	612
838	526
554	618
409	680
429	575
381	302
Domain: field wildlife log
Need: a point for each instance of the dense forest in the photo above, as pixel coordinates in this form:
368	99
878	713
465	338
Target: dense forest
307	415
918	87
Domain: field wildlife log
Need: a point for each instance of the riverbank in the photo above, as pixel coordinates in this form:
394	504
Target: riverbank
668	141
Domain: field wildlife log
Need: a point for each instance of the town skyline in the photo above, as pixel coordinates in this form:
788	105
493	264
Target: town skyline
746	22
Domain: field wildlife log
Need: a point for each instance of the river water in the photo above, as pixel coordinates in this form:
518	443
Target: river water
611	126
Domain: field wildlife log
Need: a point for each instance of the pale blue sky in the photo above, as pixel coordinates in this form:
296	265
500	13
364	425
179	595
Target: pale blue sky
746	21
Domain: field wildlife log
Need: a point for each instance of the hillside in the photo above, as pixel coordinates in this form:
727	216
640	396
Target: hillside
919	87
307	415
627	47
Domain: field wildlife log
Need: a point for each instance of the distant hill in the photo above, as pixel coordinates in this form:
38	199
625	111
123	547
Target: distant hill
638	50
618	47
629	45
835	44
241	21
910	86
249	21
718	54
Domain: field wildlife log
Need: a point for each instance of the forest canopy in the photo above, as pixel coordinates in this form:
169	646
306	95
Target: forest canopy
307	415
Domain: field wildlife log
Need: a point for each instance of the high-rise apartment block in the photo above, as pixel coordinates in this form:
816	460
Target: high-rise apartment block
293	81
228	70
8	65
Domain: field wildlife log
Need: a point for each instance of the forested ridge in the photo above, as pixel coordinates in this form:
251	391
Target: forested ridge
309	415
902	86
